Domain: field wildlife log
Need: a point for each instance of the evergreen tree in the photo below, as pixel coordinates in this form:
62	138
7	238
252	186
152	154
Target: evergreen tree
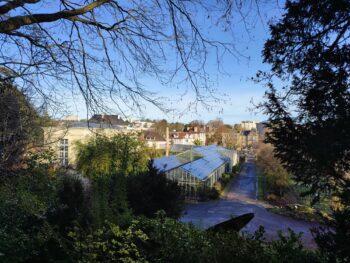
309	118
151	191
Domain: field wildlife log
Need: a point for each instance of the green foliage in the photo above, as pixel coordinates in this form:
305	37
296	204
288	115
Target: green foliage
153	153
25	233
72	206
42	159
198	142
289	248
172	241
151	191
22	231
110	244
109	200
118	154
107	162
309	119
237	168
333	238
225	179
300	212
18	127
28	232
207	193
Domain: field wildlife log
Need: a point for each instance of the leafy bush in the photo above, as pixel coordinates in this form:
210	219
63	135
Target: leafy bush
151	191
334	237
109	244
119	154
206	193
172	241
225	179
25	233
236	168
72	205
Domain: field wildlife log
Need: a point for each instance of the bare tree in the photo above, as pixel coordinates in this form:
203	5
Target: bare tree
102	48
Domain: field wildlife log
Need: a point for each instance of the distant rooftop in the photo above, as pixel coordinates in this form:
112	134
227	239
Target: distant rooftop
94	125
108	119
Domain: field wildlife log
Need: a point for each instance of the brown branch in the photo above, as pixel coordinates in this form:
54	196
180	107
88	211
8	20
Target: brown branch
97	24
14	4
19	21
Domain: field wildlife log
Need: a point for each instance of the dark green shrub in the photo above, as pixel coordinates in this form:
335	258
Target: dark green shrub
151	191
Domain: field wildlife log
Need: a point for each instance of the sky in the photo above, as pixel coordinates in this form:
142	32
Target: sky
236	90
239	92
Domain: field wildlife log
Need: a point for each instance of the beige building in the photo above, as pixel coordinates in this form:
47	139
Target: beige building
153	140
63	138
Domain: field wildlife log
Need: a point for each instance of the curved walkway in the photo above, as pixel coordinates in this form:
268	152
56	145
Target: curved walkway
241	198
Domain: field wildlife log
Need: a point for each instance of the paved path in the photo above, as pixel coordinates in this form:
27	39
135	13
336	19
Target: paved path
240	199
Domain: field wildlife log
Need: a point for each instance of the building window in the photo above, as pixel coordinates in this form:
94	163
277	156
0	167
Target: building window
64	152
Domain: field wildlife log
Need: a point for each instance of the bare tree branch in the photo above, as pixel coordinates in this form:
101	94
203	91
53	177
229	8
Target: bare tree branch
17	22
11	5
100	50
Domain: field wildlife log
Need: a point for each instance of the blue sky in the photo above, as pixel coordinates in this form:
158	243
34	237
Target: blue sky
237	85
236	88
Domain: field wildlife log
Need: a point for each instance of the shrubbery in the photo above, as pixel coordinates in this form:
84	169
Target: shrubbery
206	193
166	240
151	191
61	216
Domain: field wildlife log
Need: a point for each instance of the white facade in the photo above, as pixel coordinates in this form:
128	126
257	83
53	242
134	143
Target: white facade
248	125
155	144
71	118
142	125
188	138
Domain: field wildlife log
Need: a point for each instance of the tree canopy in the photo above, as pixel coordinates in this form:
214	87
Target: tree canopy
19	126
309	118
119	154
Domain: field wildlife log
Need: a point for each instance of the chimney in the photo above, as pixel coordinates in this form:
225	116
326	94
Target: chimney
167	141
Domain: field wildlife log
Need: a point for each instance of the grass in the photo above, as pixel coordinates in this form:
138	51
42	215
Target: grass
300	212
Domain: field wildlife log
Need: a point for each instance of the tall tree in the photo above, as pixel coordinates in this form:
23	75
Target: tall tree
277	177
151	191
309	118
120	154
19	126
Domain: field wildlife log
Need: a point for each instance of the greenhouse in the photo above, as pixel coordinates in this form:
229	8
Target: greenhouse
199	167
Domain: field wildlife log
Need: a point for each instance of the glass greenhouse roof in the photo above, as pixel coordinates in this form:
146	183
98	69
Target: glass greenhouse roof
200	162
171	162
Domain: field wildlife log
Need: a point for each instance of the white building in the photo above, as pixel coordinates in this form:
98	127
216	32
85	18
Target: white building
141	125
248	125
187	138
